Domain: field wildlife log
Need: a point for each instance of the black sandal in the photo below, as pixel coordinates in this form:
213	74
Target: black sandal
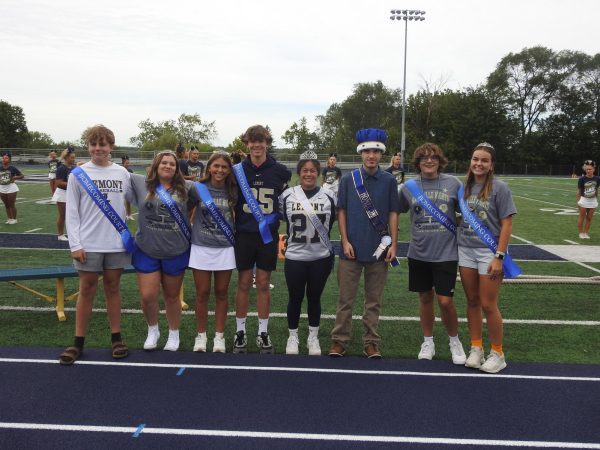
119	350
69	356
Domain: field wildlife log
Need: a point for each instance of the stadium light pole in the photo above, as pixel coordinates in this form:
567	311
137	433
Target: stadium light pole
406	15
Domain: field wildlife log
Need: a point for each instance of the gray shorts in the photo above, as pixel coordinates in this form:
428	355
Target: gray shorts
98	262
475	258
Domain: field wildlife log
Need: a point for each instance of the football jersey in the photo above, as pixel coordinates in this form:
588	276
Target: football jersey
267	181
304	243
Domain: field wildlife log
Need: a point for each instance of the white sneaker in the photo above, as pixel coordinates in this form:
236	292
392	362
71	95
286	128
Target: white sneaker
427	350
200	343
219	345
314	349
129	218
458	354
7	222
63	237
152	339
494	363
581	235
587	236
11	221
291	347
476	358
172	344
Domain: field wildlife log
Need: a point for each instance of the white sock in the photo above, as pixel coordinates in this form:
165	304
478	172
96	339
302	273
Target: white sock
240	324
454	339
263	326
313	332
202	334
152	328
174	335
219	335
293	332
428	339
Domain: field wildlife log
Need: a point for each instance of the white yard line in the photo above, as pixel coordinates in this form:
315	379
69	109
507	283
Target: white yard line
571	242
542	201
521	239
34	230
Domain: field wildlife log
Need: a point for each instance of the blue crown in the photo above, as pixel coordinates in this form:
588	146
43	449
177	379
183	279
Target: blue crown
370	135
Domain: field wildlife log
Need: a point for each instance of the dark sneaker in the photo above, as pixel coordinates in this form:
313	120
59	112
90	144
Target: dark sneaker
240	342
264	343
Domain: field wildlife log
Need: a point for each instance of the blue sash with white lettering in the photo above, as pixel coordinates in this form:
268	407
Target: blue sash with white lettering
214	212
174	211
511	270
98	198
263	221
431	208
369	208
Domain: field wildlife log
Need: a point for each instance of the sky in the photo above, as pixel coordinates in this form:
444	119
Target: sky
71	64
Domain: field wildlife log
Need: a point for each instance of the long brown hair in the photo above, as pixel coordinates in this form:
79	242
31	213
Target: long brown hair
152	180
230	183
486	190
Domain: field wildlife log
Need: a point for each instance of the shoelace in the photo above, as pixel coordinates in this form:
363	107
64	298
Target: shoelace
265	340
239	338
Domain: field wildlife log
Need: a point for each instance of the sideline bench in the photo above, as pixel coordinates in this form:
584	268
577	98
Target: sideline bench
59	273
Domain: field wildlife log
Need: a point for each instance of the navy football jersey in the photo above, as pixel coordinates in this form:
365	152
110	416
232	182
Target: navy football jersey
267	182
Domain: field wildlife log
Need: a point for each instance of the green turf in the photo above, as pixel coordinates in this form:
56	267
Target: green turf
401	339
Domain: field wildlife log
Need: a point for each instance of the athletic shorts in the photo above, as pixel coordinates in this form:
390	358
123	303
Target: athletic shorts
212	259
9	188
171	266
588	203
52	176
424	276
60	196
98	262
250	251
475	258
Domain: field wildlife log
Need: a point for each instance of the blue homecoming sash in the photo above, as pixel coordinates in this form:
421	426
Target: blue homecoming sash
214	212
174	211
263	221
431	208
373	215
511	270
106	208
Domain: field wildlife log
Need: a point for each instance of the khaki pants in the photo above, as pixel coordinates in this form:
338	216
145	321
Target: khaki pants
349	273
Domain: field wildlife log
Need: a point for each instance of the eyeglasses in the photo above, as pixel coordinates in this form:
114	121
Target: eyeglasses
434	158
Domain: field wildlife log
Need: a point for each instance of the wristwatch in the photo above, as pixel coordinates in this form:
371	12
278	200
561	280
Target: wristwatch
500	255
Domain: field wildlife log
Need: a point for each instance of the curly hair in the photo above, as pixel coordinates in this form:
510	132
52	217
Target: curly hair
152	180
428	149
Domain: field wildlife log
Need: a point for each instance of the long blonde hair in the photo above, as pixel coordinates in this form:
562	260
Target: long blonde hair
486	190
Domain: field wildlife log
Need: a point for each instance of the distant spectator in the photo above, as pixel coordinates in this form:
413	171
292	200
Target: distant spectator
331	174
396	170
60	194
53	163
125	163
8	188
587	198
193	168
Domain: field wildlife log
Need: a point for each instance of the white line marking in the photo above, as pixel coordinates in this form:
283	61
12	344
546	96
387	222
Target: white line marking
521	239
31	231
302	436
571	242
542	201
586	266
592	323
402	373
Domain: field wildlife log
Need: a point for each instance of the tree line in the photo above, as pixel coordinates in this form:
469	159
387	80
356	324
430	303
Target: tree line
538	106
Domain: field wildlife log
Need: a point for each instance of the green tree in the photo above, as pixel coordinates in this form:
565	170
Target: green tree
528	83
371	105
13	126
187	128
237	145
299	136
37	139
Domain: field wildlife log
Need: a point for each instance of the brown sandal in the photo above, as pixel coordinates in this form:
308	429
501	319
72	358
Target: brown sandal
69	356
119	350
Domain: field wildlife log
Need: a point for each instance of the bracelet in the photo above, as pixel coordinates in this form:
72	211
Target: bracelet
500	255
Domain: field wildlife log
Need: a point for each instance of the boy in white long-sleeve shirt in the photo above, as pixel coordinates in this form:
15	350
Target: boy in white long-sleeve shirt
96	246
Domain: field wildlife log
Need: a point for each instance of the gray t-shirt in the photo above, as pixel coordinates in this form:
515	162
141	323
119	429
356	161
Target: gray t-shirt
499	206
430	240
158	234
205	231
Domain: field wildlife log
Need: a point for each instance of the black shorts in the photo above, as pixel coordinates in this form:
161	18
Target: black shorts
250	251
424	276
